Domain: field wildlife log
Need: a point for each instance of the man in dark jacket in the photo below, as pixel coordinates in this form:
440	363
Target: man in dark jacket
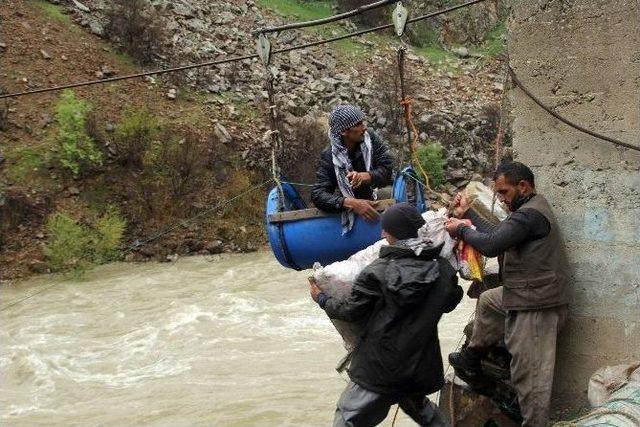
400	298
356	162
531	307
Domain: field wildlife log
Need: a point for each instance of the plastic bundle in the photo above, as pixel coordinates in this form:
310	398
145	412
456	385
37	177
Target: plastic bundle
481	199
470	261
336	280
615	393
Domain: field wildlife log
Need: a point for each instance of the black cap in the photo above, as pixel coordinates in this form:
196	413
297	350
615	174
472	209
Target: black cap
402	221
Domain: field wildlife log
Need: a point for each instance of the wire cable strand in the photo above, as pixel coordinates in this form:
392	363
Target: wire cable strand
233	59
315	22
546	108
184	222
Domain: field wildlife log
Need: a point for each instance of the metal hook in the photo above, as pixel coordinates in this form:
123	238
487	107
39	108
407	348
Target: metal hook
400	15
264	49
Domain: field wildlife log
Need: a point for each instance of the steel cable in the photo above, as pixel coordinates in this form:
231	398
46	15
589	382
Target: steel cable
313	23
233	59
535	99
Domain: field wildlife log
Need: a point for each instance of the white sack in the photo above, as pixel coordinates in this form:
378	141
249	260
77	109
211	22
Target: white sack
336	280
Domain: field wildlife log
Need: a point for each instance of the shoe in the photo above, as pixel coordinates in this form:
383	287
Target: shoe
466	359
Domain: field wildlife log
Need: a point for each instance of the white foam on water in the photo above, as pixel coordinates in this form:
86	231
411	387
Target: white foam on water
16	410
235	341
192	314
124	378
29	370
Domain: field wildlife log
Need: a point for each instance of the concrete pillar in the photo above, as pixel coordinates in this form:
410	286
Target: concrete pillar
582	58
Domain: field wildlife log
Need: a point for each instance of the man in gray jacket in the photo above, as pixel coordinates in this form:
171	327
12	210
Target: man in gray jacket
531	307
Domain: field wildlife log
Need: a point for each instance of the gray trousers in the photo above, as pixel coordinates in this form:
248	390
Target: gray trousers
359	407
530	337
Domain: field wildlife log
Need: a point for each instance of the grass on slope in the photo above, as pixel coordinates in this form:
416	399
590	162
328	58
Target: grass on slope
296	10
302	11
494	43
52	11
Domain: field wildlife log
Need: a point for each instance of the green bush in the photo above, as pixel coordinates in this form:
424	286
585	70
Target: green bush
72	246
134	135
180	159
107	238
77	150
67	248
432	159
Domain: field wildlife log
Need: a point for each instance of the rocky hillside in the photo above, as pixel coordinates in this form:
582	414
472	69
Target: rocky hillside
455	92
218	111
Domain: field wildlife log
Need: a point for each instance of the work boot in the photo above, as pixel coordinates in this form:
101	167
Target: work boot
467	359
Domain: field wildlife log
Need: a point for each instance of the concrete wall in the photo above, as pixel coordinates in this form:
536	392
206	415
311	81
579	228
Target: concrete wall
582	57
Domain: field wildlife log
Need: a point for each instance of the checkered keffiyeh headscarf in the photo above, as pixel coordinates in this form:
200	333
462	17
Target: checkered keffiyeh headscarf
342	118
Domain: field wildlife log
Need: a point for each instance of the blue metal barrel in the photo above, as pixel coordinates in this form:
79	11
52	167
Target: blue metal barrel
299	243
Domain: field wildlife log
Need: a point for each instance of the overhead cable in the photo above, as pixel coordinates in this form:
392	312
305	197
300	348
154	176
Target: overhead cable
535	99
328	19
232	59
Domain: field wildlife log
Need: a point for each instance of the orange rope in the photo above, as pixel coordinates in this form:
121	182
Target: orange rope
407	103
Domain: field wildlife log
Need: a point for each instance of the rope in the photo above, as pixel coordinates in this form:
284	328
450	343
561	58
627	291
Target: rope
183	223
518	83
301	184
414	178
276	140
329	19
412	132
128	76
458	345
7	306
408	116
234	59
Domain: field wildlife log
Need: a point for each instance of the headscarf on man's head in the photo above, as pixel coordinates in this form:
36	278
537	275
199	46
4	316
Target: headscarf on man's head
343	117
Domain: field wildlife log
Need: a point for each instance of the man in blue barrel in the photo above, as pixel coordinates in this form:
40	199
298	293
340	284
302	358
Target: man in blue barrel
356	162
399	298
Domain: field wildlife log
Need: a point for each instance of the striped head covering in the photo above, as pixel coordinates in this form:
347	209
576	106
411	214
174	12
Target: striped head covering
343	117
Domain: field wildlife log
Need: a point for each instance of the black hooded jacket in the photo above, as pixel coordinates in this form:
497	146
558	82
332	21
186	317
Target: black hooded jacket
400	298
325	194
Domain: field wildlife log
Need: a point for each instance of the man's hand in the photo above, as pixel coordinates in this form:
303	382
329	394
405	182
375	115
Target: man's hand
460	205
364	208
314	290
452	225
358	178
